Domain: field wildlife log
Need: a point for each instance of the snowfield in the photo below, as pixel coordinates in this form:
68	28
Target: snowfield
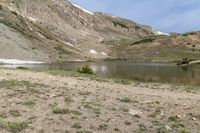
83	9
157	32
92	51
16	61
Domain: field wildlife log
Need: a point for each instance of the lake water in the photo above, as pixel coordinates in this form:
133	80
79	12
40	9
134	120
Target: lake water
168	73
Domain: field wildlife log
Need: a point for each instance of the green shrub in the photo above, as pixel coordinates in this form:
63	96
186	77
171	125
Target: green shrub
61	111
22	68
14	126
85	69
126	100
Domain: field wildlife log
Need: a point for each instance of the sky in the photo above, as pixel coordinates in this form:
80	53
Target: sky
165	15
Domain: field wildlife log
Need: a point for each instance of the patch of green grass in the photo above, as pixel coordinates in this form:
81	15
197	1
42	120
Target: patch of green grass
61	111
15	113
84	93
28	102
15	84
68	100
11	83
122	81
14	126
75	112
124	109
89	106
77	74
142	128
76	125
66	111
174	119
126	100
103	127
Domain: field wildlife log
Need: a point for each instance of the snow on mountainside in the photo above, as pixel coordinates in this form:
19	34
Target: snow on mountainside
16	61
58	30
157	32
82	9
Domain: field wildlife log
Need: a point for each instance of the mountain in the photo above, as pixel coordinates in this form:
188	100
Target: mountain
57	30
163	48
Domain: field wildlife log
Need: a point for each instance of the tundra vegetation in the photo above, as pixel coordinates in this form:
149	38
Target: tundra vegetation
78	102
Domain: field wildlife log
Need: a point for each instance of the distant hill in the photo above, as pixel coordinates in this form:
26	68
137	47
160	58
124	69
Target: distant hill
57	30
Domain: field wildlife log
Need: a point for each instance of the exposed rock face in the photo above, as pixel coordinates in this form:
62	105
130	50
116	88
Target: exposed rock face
57	30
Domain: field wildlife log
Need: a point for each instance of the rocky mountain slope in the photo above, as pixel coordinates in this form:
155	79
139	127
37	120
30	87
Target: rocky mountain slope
57	30
163	48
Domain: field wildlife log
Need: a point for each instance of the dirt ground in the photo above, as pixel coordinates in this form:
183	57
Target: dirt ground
39	102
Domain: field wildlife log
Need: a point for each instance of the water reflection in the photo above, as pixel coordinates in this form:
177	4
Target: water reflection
134	70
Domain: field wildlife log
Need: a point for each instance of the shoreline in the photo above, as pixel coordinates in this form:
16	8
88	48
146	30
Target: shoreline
73	102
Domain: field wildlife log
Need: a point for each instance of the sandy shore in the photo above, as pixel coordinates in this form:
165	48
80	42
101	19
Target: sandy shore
55	102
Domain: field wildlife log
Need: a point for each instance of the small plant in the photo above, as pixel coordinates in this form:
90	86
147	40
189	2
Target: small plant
68	100
127	123
28	102
77	126
75	112
122	81
14	126
173	118
61	111
85	70
125	109
15	113
66	111
103	127
126	100
84	93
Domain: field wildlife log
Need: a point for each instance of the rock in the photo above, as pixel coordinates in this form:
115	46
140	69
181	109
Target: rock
178	116
135	112
52	95
194	119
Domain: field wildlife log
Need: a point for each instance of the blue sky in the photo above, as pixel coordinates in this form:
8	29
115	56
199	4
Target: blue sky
164	15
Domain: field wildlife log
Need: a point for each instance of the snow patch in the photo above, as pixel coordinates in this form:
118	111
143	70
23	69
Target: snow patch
15	62
32	19
103	53
157	32
83	9
69	44
92	51
114	16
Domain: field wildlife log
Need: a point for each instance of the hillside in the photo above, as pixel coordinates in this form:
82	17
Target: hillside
162	48
57	30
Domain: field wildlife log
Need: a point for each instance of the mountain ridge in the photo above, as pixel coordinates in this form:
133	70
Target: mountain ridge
57	30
